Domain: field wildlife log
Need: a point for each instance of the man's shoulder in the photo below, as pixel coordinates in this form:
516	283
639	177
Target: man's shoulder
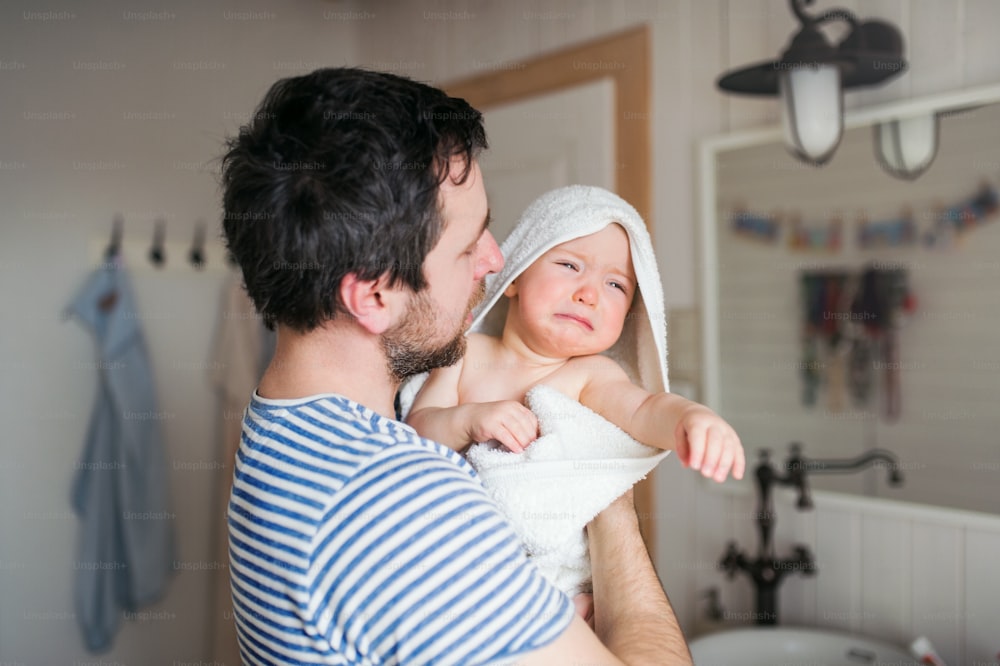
339	437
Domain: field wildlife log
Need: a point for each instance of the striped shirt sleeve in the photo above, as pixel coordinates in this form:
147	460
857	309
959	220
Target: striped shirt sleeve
399	558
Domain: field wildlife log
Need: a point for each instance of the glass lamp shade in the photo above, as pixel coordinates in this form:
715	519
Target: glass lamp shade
905	147
812	105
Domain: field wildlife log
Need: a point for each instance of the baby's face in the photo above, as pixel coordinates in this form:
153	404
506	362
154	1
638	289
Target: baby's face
572	301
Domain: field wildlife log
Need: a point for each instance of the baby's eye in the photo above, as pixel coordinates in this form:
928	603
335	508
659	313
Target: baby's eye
568	264
619	286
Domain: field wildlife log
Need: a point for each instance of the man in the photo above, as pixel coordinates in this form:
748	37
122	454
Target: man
356	209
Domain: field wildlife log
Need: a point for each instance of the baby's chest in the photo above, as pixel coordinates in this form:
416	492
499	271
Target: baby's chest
494	383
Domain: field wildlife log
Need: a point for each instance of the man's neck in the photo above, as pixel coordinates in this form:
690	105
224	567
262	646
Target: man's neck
334	358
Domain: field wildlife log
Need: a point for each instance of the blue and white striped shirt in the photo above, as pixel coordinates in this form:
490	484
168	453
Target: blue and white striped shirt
355	541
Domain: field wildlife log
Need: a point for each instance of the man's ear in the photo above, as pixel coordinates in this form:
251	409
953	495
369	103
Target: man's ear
372	303
511	290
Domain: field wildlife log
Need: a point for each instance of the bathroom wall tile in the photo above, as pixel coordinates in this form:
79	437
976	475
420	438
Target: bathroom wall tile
982	597
980	54
679	97
560	22
935	29
838	558
741	590
896	12
938	587
886	561
746	22
714	524
793	527
680	561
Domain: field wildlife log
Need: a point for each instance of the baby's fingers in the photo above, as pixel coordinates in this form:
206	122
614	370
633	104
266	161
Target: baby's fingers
725	464
713	455
739	460
731	457
520	428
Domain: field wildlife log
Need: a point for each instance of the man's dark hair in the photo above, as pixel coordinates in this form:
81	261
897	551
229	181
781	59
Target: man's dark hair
338	172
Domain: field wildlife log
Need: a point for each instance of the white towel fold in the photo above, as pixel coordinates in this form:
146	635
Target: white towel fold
579	465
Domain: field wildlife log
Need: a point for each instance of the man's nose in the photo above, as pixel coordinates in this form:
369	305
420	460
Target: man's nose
490	259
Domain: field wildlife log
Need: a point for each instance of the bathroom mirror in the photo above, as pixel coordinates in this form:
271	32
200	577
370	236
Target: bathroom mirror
803	341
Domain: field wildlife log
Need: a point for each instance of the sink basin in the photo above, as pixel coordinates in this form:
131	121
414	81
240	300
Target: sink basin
794	646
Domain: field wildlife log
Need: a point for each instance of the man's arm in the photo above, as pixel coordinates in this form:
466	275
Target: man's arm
633	616
634	620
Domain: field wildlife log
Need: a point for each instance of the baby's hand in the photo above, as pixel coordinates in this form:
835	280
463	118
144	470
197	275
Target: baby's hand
506	421
705	442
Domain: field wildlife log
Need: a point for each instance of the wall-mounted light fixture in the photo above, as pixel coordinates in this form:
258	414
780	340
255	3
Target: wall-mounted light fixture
812	74
905	147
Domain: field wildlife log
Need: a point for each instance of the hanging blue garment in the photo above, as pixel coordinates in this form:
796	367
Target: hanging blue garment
120	490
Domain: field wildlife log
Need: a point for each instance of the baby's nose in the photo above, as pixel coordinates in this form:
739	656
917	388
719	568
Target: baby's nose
586	294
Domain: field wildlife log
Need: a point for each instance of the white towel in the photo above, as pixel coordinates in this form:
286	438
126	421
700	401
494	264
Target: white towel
582	462
578	465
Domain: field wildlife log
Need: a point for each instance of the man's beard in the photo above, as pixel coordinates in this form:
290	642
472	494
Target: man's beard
405	345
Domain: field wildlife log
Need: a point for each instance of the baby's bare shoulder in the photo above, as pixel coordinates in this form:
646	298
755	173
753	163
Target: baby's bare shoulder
596	368
480	355
480	349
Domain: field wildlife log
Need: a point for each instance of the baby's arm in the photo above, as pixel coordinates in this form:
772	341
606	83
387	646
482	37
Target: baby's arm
437	414
701	438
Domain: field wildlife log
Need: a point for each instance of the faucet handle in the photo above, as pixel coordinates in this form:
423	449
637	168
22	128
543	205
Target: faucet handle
804	558
714	611
730	562
796	468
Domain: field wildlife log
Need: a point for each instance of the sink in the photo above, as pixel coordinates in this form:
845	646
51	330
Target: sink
794	646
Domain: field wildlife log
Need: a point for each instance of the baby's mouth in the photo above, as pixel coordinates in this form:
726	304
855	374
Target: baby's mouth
580	320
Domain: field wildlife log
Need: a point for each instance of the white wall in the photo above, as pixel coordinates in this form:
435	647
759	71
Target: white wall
951	44
208	65
108	107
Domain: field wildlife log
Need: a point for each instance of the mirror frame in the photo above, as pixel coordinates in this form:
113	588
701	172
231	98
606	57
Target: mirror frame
708	224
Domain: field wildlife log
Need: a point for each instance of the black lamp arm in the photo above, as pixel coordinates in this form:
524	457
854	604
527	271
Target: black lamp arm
828	15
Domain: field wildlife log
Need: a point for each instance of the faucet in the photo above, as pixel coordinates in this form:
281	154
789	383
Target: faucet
766	571
798	465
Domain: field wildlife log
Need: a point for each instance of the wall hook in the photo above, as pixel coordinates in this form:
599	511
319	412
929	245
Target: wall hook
115	246
197	254
157	253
